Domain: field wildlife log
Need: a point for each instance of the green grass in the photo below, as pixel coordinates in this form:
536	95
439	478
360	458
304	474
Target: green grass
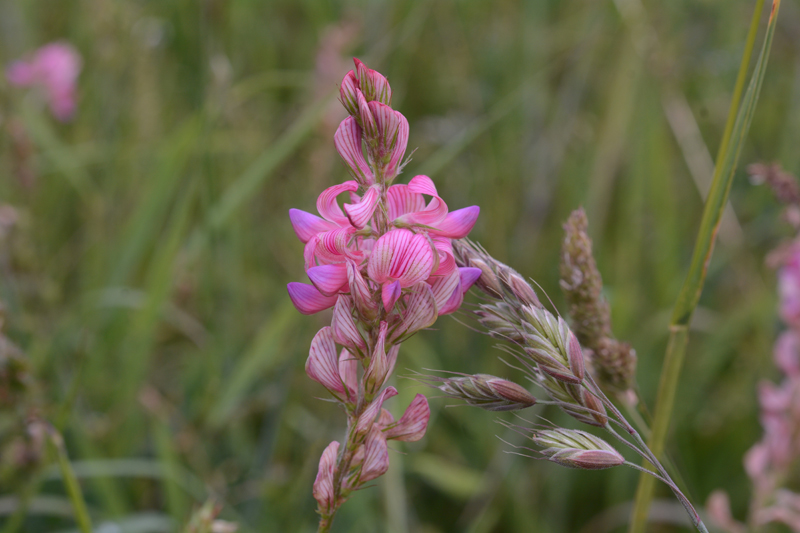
146	277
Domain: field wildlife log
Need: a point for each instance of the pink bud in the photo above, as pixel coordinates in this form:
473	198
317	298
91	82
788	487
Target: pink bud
373	84
348	143
343	326
376	457
412	425
362	296
348	93
323	484
348	370
372	412
365	118
322	364
380	364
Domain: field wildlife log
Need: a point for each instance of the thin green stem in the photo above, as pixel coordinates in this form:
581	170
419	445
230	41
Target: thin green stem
736	129
70	482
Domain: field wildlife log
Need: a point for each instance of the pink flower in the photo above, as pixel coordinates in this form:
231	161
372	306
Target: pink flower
406	205
399	259
334	373
53	68
412	425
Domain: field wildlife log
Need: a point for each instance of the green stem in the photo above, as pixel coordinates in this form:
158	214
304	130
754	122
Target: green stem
736	129
71	482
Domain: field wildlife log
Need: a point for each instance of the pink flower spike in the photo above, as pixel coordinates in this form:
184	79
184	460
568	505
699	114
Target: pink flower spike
359	214
379	365
401	255
371	413
348	369
347	93
322	364
327	206
348	143
390	292
323	484
307	225
367	121
458	223
412	425
328	279
376	457
307	299
344	327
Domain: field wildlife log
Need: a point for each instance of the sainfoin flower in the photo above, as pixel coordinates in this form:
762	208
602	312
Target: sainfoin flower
54	69
381	255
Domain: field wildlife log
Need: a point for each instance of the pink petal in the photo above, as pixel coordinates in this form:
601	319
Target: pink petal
400	201
323	484
310	252
447	261
328	279
390	292
434	213
400	255
347	93
362	296
412	425
347	140
337	245
307	225
469	275
453	303
327	206
378	369
322	364
399	149
423	185
367	120
376	458
348	369
458	223
370	414
360	213
307	299
343	326
444	287
420	312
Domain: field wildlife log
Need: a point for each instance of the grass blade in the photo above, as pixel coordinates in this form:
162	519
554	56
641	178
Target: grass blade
727	159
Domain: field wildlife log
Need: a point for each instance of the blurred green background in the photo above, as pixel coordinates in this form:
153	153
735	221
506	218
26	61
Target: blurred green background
145	275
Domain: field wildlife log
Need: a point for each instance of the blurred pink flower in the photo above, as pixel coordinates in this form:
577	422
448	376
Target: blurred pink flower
54	68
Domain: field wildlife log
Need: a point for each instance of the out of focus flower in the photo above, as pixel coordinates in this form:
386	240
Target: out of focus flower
53	69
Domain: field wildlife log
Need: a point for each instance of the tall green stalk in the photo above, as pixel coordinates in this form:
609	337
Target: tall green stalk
738	124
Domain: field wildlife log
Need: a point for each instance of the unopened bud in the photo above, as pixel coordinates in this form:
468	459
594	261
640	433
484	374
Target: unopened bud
373	84
577	449
323	484
348	93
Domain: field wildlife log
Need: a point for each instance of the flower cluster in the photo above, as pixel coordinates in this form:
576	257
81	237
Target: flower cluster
54	69
384	262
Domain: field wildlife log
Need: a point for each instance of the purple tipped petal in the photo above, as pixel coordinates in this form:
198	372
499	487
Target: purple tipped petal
469	275
348	143
327	206
307	225
307	299
322	364
360	213
390	292
328	279
412	425
458	223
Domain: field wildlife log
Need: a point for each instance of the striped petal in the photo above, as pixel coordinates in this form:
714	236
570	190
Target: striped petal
403	256
329	208
400	200
360	213
347	140
307	299
322	364
376	457
348	370
344	328
390	292
444	287
347	92
420	312
399	150
447	261
328	279
307	225
323	484
367	121
378	368
412	425
362	296
436	210
458	223
365	421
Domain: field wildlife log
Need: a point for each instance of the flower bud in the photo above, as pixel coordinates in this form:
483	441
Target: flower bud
412	425
323	484
376	457
577	449
343	326
348	93
373	84
380	364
